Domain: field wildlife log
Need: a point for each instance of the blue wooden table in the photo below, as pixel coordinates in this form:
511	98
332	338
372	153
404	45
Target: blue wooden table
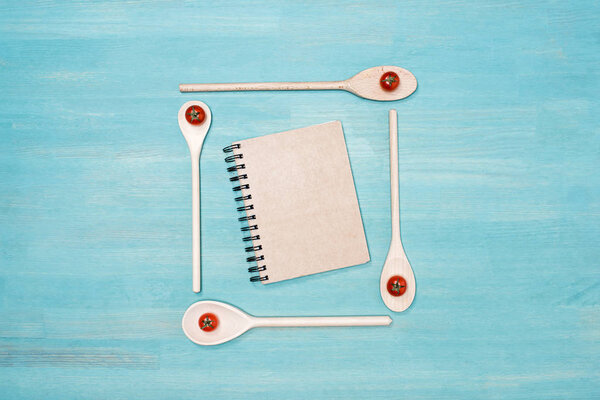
499	187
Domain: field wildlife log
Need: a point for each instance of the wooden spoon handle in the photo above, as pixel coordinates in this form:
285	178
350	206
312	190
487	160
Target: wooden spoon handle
196	284
394	190
323	321
233	87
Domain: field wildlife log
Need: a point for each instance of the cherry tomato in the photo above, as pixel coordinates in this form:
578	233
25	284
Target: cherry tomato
389	81
195	115
208	322
396	285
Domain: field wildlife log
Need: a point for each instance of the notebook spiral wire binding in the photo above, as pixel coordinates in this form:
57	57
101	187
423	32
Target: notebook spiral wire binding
253	236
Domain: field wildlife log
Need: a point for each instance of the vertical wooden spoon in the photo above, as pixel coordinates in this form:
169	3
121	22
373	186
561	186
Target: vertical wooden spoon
397	284
194	119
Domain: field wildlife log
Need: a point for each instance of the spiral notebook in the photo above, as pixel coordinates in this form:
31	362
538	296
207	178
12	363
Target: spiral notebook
296	192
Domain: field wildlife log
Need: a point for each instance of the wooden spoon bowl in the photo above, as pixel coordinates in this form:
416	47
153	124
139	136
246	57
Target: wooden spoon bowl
366	84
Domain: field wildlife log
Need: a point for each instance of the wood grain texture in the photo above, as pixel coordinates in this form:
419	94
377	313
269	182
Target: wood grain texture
499	153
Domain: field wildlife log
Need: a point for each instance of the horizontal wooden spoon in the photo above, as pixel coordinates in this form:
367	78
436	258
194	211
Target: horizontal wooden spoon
213	322
364	84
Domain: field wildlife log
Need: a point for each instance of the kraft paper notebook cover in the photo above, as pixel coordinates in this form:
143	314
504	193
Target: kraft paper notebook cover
296	191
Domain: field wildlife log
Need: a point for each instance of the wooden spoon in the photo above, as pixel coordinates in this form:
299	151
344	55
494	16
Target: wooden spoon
194	120
364	84
397	284
212	322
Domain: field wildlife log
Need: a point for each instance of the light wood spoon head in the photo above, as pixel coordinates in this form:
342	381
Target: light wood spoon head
228	321
397	284
366	84
194	133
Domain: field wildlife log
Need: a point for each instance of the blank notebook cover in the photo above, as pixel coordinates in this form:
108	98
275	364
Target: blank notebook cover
297	192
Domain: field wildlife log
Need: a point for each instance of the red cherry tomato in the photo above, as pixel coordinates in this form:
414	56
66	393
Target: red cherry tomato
389	81
195	115
396	285
208	322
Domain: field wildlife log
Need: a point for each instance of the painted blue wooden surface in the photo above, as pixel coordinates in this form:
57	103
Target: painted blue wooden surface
500	198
